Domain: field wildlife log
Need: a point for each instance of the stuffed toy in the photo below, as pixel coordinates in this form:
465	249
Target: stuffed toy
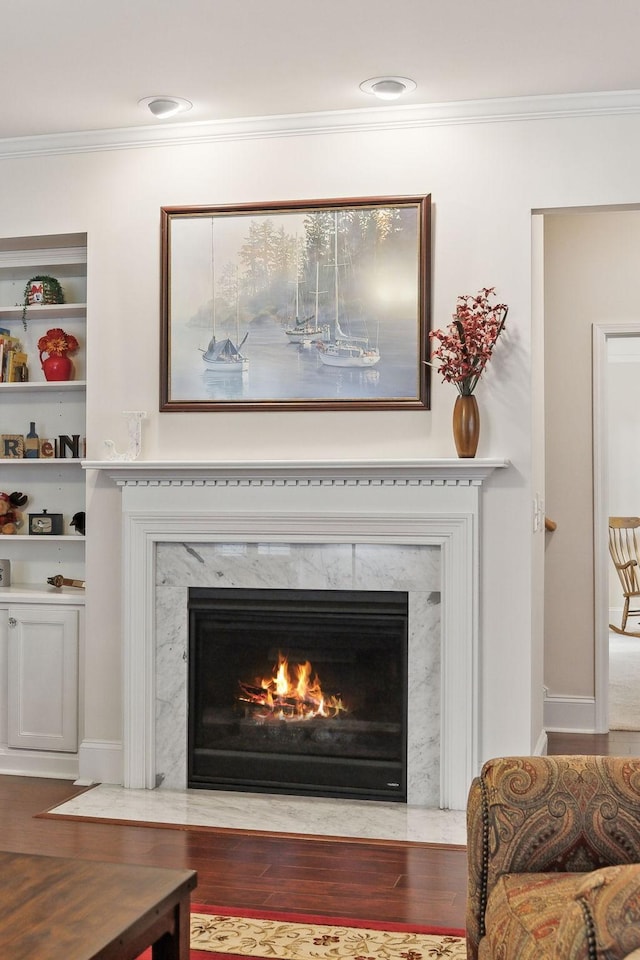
10	516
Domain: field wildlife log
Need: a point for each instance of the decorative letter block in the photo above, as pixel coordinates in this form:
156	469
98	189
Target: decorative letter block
47	449
12	446
72	444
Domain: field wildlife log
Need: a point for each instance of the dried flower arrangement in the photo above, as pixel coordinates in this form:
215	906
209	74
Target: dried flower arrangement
467	344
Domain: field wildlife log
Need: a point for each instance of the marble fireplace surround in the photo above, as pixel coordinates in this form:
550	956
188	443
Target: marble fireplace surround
410	502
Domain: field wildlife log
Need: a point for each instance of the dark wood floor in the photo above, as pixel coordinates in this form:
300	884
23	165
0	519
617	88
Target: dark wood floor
413	884
361	880
617	743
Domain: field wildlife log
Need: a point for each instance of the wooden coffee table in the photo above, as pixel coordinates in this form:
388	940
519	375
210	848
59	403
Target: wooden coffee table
53	908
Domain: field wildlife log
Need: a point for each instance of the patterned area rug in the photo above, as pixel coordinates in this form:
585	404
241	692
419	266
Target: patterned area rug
215	935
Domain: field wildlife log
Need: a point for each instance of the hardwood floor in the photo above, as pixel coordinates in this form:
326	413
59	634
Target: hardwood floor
616	743
386	881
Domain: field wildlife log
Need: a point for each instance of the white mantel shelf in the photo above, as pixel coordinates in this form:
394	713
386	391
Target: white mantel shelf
471	471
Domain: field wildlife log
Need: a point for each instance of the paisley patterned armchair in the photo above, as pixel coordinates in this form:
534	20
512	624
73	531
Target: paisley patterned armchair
553	846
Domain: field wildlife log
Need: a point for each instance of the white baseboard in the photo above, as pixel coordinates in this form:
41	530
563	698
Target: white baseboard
100	761
541	747
570	714
38	763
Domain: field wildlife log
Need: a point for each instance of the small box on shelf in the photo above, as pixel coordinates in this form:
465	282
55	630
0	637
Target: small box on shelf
45	524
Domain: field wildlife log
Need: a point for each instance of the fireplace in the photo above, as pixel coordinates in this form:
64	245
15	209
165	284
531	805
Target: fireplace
205	514
298	691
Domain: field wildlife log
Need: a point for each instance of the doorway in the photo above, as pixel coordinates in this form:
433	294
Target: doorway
616	373
590	295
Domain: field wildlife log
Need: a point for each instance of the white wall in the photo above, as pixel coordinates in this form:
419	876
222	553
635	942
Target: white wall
485	179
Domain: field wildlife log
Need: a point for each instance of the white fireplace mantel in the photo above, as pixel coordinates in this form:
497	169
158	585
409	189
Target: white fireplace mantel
431	502
472	471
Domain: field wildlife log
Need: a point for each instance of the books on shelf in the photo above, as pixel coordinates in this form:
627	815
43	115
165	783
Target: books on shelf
17	367
13	360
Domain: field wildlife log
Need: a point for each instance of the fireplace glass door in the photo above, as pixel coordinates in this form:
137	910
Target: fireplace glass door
298	692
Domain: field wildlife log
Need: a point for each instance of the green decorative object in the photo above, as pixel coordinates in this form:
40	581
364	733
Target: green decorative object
40	290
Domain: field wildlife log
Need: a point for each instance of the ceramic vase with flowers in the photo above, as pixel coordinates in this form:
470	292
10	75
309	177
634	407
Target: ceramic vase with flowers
57	345
463	352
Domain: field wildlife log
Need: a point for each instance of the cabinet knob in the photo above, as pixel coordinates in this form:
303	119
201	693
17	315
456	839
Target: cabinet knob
12	621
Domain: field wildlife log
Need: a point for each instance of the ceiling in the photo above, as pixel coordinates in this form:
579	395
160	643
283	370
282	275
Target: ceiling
82	65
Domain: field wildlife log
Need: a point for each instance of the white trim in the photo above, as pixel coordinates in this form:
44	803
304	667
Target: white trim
299	472
600	334
570	714
541	747
38	763
381	118
100	761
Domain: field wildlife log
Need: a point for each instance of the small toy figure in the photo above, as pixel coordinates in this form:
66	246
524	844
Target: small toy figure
10	516
78	521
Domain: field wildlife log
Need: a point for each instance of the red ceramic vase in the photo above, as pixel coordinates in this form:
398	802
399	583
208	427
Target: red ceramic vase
57	368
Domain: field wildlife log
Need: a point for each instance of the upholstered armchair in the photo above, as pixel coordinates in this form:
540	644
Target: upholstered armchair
554	859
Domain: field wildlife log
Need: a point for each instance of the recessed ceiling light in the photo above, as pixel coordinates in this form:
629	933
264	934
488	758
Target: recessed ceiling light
163	107
388	88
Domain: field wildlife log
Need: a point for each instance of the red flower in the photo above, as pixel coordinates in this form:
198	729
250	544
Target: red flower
467	343
57	343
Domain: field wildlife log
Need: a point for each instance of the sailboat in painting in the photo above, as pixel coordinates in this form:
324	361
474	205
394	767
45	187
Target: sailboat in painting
223	355
304	328
344	350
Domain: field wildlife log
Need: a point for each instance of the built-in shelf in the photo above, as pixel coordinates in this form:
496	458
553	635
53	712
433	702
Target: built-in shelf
49	538
45	312
40	461
41	593
24	254
46	386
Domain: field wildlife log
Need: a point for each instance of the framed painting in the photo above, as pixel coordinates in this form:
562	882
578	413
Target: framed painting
308	305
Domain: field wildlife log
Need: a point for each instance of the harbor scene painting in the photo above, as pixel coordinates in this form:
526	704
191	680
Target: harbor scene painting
301	305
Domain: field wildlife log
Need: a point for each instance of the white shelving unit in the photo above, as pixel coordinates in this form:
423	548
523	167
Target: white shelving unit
56	485
41	626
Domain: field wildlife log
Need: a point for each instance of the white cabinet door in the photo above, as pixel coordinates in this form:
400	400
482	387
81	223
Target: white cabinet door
43	677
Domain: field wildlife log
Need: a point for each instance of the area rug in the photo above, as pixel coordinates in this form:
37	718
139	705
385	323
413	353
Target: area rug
624	682
218	935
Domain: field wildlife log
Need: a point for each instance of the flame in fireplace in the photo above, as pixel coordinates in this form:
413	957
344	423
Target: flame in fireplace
291	693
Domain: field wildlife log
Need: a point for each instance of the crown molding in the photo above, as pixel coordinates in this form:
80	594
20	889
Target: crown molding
384	118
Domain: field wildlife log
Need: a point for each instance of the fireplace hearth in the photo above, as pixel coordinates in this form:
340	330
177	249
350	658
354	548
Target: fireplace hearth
298	691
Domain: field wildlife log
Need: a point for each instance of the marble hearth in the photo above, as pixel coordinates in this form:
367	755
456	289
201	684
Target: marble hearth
400	525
